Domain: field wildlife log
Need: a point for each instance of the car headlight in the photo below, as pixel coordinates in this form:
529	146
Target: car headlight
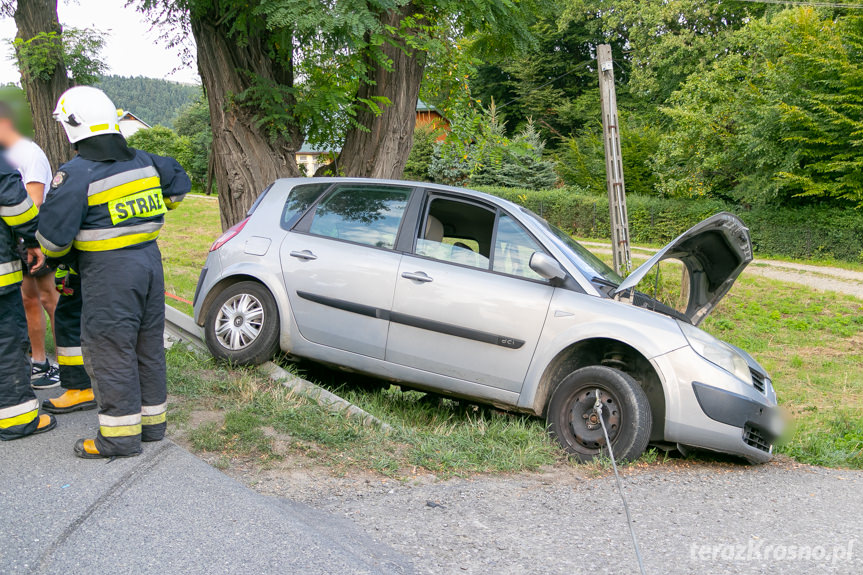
716	352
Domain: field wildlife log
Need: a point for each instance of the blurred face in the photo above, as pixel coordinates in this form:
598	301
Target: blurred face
8	134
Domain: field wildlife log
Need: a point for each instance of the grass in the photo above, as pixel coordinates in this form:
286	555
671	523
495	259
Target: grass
811	343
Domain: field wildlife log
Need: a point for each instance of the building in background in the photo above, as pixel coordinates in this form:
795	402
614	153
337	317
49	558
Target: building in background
130	123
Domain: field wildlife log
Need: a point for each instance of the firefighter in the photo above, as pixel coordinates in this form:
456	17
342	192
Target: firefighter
105	208
67	336
19	408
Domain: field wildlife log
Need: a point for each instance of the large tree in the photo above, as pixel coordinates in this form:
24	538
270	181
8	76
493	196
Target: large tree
343	73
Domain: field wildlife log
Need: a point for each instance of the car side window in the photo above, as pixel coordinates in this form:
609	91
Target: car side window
457	232
363	214
513	248
299	200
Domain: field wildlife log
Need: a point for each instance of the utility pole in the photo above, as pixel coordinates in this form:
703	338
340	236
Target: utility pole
613	162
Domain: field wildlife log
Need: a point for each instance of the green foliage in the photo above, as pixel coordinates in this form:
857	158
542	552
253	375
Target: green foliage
164	142
490	158
77	49
581	160
778	119
422	153
810	232
155	101
193	122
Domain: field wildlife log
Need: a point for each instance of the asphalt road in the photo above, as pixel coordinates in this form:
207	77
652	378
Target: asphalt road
165	511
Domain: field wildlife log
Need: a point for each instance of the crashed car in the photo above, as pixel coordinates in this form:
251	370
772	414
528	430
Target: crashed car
467	295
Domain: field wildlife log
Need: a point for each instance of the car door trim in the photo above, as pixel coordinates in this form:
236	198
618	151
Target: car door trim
414	321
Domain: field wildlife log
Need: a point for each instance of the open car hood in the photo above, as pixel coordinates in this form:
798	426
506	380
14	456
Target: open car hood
715	251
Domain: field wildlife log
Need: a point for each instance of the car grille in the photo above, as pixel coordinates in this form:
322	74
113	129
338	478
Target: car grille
755	438
758	380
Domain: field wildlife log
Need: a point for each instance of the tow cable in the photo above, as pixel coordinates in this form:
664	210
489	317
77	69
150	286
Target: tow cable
597	408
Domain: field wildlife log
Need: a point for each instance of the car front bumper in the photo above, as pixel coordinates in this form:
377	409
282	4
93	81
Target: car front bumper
708	408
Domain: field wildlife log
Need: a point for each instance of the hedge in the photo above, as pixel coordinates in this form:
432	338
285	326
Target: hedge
804	233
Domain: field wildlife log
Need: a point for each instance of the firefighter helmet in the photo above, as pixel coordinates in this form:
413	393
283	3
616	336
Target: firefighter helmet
84	112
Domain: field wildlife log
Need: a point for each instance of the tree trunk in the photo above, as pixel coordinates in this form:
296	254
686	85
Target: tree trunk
382	151
33	17
246	160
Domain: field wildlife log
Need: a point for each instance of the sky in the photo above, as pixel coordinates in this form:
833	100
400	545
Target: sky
131	48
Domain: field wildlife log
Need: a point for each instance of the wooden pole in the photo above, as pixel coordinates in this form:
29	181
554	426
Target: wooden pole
613	162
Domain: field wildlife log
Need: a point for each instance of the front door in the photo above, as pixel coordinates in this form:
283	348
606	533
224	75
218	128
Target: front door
340	268
467	305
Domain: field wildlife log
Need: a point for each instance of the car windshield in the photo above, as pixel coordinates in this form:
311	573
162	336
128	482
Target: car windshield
593	267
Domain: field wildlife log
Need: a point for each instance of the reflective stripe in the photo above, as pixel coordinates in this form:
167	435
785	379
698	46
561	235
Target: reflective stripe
99	127
51	249
68	351
115	238
99	191
124	190
154	409
25	407
22	419
153	419
16	210
119	420
31	213
120	431
11	278
10	267
69	358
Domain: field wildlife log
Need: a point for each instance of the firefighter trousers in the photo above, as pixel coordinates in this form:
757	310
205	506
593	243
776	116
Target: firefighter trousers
19	408
122	327
67	332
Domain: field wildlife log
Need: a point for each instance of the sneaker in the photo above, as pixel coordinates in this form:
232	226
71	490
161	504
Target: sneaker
44	376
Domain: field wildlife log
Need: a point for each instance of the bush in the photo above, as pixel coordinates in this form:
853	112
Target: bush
164	141
422	153
812	232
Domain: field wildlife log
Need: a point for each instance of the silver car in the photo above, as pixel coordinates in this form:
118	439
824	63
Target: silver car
464	294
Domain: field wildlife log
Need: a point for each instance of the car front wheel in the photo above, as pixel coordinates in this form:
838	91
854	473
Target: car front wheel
242	324
573	420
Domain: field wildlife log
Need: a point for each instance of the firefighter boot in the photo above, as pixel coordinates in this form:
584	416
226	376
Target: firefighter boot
86	449
71	400
46	423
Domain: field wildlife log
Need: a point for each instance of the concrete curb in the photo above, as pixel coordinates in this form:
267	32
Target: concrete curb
181	327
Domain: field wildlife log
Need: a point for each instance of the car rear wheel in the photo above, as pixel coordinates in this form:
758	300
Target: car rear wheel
573	421
242	324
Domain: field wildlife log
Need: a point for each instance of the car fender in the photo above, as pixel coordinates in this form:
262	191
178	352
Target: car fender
273	282
650	341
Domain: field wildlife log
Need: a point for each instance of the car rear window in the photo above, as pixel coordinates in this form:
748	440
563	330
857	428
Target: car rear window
298	202
363	214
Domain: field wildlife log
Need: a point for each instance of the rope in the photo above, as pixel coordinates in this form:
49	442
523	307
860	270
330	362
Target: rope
178	298
597	407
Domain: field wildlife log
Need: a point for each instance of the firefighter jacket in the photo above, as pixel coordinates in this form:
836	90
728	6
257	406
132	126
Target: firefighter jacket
19	216
96	206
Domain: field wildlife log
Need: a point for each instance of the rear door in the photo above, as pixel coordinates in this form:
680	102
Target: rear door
467	305
340	268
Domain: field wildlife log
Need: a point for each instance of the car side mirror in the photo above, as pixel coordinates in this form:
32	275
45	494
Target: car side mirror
546	266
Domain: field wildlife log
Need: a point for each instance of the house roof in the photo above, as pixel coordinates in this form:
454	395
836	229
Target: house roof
130	116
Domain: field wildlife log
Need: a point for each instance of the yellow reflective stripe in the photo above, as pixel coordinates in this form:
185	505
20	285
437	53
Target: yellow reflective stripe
99	127
115	243
22	419
122	190
120	430
31	213
153	419
70	359
51	249
10	279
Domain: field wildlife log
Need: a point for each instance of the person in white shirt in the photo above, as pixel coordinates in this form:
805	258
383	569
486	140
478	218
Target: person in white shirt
37	289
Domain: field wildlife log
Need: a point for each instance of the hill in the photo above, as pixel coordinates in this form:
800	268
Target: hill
153	100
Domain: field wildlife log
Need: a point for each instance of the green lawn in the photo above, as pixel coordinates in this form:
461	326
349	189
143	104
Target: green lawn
811	342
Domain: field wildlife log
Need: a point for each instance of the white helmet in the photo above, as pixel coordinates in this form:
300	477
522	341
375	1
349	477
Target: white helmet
84	112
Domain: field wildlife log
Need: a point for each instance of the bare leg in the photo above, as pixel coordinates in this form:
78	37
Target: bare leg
35	318
48	295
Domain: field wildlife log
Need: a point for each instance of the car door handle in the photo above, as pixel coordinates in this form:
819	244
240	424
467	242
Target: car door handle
417	277
305	255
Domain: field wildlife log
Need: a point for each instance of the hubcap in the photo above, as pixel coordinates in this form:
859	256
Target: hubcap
584	422
239	321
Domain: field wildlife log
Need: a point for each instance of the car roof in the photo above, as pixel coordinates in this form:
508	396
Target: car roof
430	186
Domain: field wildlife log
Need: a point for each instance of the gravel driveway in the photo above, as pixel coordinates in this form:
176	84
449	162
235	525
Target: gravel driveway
690	517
